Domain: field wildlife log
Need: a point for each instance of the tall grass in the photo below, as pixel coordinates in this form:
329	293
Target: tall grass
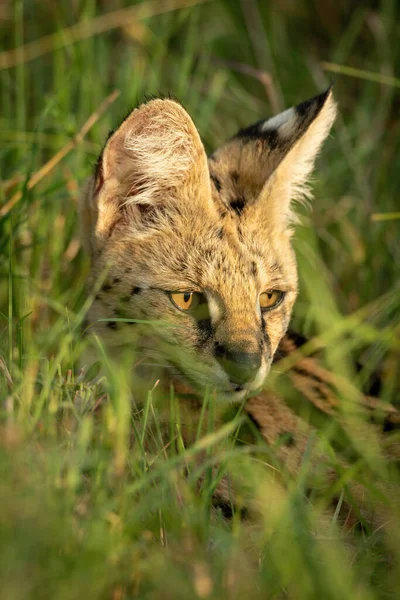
87	509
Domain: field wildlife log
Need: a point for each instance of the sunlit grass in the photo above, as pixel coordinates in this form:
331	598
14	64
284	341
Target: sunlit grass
103	497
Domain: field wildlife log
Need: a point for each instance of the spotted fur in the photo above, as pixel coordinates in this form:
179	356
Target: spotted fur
158	217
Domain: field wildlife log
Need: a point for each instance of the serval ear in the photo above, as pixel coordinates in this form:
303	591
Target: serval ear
270	162
154	163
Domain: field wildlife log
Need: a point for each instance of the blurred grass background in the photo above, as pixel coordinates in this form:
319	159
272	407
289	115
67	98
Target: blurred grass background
84	514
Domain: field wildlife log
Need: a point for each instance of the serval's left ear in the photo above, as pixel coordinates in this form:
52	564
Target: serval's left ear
152	166
271	161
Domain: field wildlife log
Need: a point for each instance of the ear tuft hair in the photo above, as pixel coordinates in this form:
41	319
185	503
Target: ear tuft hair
159	151
154	159
156	147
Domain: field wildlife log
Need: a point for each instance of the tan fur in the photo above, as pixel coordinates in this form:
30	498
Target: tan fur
156	223
157	217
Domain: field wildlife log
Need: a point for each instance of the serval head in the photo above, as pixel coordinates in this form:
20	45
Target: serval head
200	248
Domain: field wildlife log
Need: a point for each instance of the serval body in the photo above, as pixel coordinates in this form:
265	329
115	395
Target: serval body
201	248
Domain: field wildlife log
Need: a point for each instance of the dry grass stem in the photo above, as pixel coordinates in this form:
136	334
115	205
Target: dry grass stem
83	30
75	141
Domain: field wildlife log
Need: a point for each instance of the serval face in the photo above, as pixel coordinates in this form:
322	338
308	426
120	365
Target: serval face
200	249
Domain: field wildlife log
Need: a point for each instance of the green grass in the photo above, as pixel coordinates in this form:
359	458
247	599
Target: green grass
87	509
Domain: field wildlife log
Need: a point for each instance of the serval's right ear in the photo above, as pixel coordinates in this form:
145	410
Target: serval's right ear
153	164
267	165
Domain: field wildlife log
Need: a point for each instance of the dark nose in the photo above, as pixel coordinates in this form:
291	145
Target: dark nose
240	366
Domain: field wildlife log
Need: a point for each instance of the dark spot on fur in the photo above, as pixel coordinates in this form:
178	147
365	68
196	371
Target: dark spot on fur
255	132
312	377
240	234
253	269
209	254
84	327
280	353
112	325
183	266
298	338
254	421
135	290
98	169
151	215
388	426
227	509
216	182
238	205
272	138
144	209
265	334
98	297
286	438
358	528
373	385
235	176
116	280
204	328
309	492
220	233
121	314
106	287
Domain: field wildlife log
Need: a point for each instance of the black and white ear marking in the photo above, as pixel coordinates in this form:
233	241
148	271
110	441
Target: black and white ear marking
285	146
283	130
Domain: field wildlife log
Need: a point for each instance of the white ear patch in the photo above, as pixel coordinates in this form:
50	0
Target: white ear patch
311	124
286	122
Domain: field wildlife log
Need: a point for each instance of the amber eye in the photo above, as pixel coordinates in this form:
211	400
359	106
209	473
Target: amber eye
185	300
271	299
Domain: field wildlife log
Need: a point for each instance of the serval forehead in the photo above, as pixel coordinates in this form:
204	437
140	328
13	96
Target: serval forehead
227	194
212	254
